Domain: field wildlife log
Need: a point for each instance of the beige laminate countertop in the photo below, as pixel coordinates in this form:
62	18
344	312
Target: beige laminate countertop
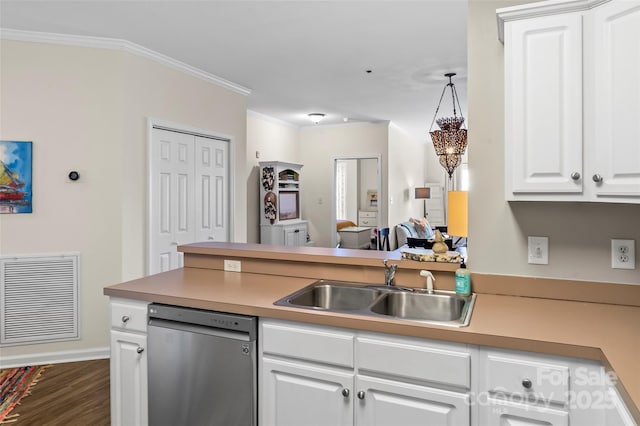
603	332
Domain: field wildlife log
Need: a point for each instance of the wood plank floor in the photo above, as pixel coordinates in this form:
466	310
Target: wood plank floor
73	393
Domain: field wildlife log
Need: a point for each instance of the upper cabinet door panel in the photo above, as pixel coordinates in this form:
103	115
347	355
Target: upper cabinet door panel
543	105
617	99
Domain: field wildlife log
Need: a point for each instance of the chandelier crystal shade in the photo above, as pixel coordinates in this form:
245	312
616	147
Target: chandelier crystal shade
450	142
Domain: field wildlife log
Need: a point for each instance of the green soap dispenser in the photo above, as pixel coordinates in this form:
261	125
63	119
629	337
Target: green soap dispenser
463	280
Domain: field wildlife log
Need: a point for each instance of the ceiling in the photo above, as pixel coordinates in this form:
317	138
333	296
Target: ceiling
295	56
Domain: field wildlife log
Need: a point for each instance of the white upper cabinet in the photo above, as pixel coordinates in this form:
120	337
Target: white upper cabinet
543	106
616	100
572	101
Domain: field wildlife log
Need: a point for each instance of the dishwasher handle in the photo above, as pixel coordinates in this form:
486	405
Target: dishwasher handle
200	329
211	319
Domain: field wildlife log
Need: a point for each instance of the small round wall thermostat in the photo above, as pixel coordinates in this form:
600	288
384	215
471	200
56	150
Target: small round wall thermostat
73	175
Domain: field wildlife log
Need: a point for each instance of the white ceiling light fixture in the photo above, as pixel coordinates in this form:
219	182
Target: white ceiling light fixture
316	117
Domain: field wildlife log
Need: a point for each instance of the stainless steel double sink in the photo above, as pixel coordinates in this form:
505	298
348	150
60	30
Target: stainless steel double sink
440	307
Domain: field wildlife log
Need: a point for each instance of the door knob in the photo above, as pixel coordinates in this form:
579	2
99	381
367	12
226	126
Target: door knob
575	176
140	349
597	178
361	395
125	318
345	392
526	383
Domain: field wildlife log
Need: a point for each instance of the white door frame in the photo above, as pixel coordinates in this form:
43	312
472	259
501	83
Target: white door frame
171	126
378	157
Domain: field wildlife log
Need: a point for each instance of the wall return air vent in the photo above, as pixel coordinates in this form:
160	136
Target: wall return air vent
39	298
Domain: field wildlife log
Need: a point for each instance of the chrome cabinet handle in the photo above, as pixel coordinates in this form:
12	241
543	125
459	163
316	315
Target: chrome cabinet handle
345	392
597	178
526	383
575	176
125	318
361	395
140	349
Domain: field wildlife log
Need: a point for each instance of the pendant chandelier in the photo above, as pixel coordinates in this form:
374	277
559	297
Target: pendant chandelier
450	141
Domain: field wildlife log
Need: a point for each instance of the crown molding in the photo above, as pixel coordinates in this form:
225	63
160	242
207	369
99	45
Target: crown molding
541	8
124	46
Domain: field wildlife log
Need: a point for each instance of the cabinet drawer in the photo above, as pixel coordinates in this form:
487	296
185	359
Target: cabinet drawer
308	343
434	363
531	379
129	315
367	222
365	214
496	412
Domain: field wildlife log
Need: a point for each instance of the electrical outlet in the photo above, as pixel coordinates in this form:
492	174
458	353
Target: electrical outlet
623	254
232	265
538	250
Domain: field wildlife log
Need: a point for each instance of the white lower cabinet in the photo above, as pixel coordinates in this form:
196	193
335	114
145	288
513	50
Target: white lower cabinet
285	234
328	376
296	394
390	402
128	363
522	388
313	375
502	413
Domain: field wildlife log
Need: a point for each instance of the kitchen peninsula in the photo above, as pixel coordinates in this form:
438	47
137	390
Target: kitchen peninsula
536	316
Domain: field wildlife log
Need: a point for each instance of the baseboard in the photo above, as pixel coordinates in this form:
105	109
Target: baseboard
54	357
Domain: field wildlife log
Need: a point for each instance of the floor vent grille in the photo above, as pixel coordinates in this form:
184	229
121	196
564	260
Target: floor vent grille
39	298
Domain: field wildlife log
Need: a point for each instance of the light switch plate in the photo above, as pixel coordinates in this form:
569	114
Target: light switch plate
538	250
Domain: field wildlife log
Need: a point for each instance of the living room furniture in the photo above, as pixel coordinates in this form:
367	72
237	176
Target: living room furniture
280	211
368	218
383	239
355	237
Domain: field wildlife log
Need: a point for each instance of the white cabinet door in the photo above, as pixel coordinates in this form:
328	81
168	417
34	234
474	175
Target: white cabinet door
502	413
543	106
128	379
295	235
295	394
616	114
389	403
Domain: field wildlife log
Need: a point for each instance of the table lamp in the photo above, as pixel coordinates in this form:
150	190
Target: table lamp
423	194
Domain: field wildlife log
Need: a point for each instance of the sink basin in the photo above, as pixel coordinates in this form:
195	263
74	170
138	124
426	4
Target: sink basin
333	296
439	307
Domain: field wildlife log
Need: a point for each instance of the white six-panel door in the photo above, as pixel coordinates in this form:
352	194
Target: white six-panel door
188	194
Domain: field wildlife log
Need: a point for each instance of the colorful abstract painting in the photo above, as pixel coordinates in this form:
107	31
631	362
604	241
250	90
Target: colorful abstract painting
15	177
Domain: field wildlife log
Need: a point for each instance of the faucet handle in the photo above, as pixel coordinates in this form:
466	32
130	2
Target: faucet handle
430	279
425	273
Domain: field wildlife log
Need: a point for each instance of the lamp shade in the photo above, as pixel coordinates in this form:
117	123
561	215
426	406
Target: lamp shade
422	193
457	213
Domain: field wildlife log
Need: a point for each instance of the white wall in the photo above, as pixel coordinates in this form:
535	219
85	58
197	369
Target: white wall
579	233
85	109
319	145
406	171
274	140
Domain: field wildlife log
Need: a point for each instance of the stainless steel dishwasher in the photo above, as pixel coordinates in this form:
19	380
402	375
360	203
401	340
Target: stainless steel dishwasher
202	367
